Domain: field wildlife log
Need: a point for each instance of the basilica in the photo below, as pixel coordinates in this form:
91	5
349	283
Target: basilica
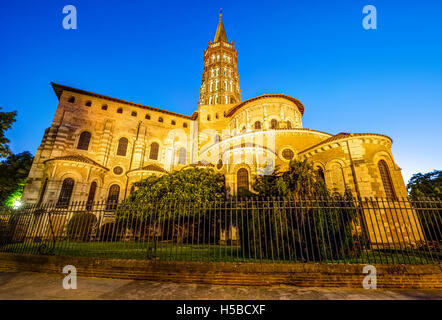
98	146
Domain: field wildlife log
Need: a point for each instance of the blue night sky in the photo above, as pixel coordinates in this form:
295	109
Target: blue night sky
386	81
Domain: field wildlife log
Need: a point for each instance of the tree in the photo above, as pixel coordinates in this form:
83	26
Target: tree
301	219
6	121
193	184
430	214
425	185
171	203
300	181
13	173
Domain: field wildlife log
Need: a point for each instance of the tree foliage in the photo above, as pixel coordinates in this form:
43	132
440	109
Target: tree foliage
167	199
193	184
300	181
6	121
301	216
425	185
13	173
80	226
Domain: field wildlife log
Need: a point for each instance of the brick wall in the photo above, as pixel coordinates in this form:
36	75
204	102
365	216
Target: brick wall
303	275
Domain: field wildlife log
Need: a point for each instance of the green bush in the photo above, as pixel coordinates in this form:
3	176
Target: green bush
285	230
80	226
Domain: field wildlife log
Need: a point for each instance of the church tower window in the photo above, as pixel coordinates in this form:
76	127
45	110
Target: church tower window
320	174
154	147
112	198
182	156
122	147
83	141
91	196
242	177
66	192
273	124
386	180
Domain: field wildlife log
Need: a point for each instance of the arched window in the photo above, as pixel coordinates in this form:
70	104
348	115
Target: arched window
122	147
43	191
242	177
182	156
320	174
112	198
257	125
273	124
91	196
289	125
83	142
184	125
66	192
160	119
154	147
88	103
120	110
104	107
133	114
147	117
173	122
386	180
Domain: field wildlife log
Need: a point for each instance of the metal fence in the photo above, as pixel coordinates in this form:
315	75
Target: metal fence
283	230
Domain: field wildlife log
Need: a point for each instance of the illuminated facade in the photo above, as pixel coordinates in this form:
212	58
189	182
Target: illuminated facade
97	146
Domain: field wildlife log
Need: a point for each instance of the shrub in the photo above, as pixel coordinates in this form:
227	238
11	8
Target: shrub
80	226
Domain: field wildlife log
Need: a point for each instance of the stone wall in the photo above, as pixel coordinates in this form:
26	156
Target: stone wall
303	275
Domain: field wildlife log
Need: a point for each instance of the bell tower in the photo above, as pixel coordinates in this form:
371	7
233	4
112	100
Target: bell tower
220	78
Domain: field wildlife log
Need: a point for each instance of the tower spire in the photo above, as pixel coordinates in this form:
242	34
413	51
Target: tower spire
220	78
220	34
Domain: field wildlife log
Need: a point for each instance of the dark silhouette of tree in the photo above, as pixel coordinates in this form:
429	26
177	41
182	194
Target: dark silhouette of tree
13	173
425	185
6	121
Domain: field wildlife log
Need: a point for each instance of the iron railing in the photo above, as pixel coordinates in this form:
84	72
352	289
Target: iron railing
323	230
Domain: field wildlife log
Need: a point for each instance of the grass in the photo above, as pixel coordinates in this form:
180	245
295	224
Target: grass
165	251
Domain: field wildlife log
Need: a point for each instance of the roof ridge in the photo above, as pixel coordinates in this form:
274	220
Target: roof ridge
343	134
59	88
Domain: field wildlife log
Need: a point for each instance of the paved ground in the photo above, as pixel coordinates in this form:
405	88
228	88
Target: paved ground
28	285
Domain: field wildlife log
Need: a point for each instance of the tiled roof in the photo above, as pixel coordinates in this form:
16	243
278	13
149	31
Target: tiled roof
58	88
77	158
342	135
239	106
153	167
200	164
